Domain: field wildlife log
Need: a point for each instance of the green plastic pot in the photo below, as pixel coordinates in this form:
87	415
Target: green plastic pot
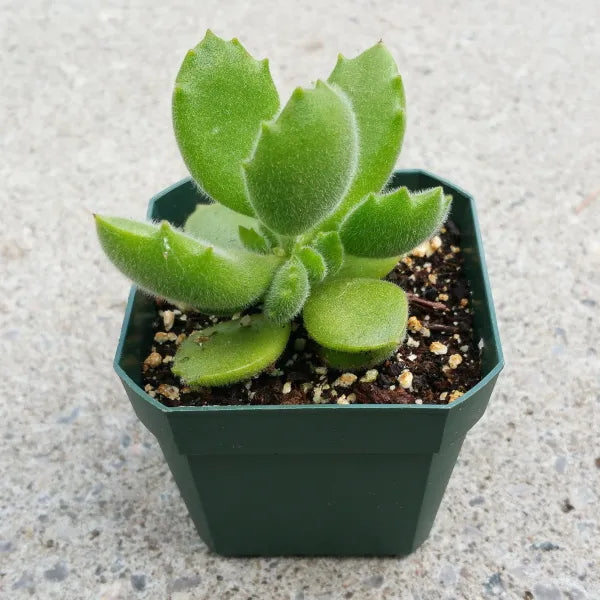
313	480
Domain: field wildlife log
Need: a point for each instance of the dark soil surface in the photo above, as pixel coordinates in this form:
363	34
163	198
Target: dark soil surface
438	362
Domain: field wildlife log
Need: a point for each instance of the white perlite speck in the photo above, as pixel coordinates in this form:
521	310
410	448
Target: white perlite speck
435	243
345	380
168	391
438	348
160	337
168	319
370	376
405	379
153	360
423	249
411	342
413	324
454	395
454	360
287	388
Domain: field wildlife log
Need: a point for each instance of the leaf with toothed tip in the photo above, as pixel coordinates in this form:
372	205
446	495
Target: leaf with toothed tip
303	161
230	351
288	292
221	97
356	315
218	225
374	88
394	223
175	266
356	360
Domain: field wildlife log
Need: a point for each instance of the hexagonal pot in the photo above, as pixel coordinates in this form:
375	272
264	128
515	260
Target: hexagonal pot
313	480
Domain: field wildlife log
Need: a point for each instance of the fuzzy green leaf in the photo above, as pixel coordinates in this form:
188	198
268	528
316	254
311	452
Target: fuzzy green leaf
359	266
253	241
216	224
356	360
303	161
374	88
230	351
356	315
313	262
394	223
175	266
221	96
288	292
329	245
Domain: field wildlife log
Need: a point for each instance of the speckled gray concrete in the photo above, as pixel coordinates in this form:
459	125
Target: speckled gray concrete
503	100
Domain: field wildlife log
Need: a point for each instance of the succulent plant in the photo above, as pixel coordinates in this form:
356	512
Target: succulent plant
299	223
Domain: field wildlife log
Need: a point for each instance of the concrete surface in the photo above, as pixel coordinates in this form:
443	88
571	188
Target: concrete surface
503	100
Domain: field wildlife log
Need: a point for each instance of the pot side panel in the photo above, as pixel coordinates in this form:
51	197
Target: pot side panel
345	505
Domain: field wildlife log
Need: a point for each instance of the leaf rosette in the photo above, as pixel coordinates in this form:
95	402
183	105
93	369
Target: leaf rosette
299	226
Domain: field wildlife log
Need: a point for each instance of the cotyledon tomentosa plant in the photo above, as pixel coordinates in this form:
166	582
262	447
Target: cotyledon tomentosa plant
299	223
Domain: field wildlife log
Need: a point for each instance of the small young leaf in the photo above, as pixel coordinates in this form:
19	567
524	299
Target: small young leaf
175	266
303	161
221	97
230	351
253	241
288	292
329	245
374	87
314	264
216	224
356	315
394	223
356	360
359	266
